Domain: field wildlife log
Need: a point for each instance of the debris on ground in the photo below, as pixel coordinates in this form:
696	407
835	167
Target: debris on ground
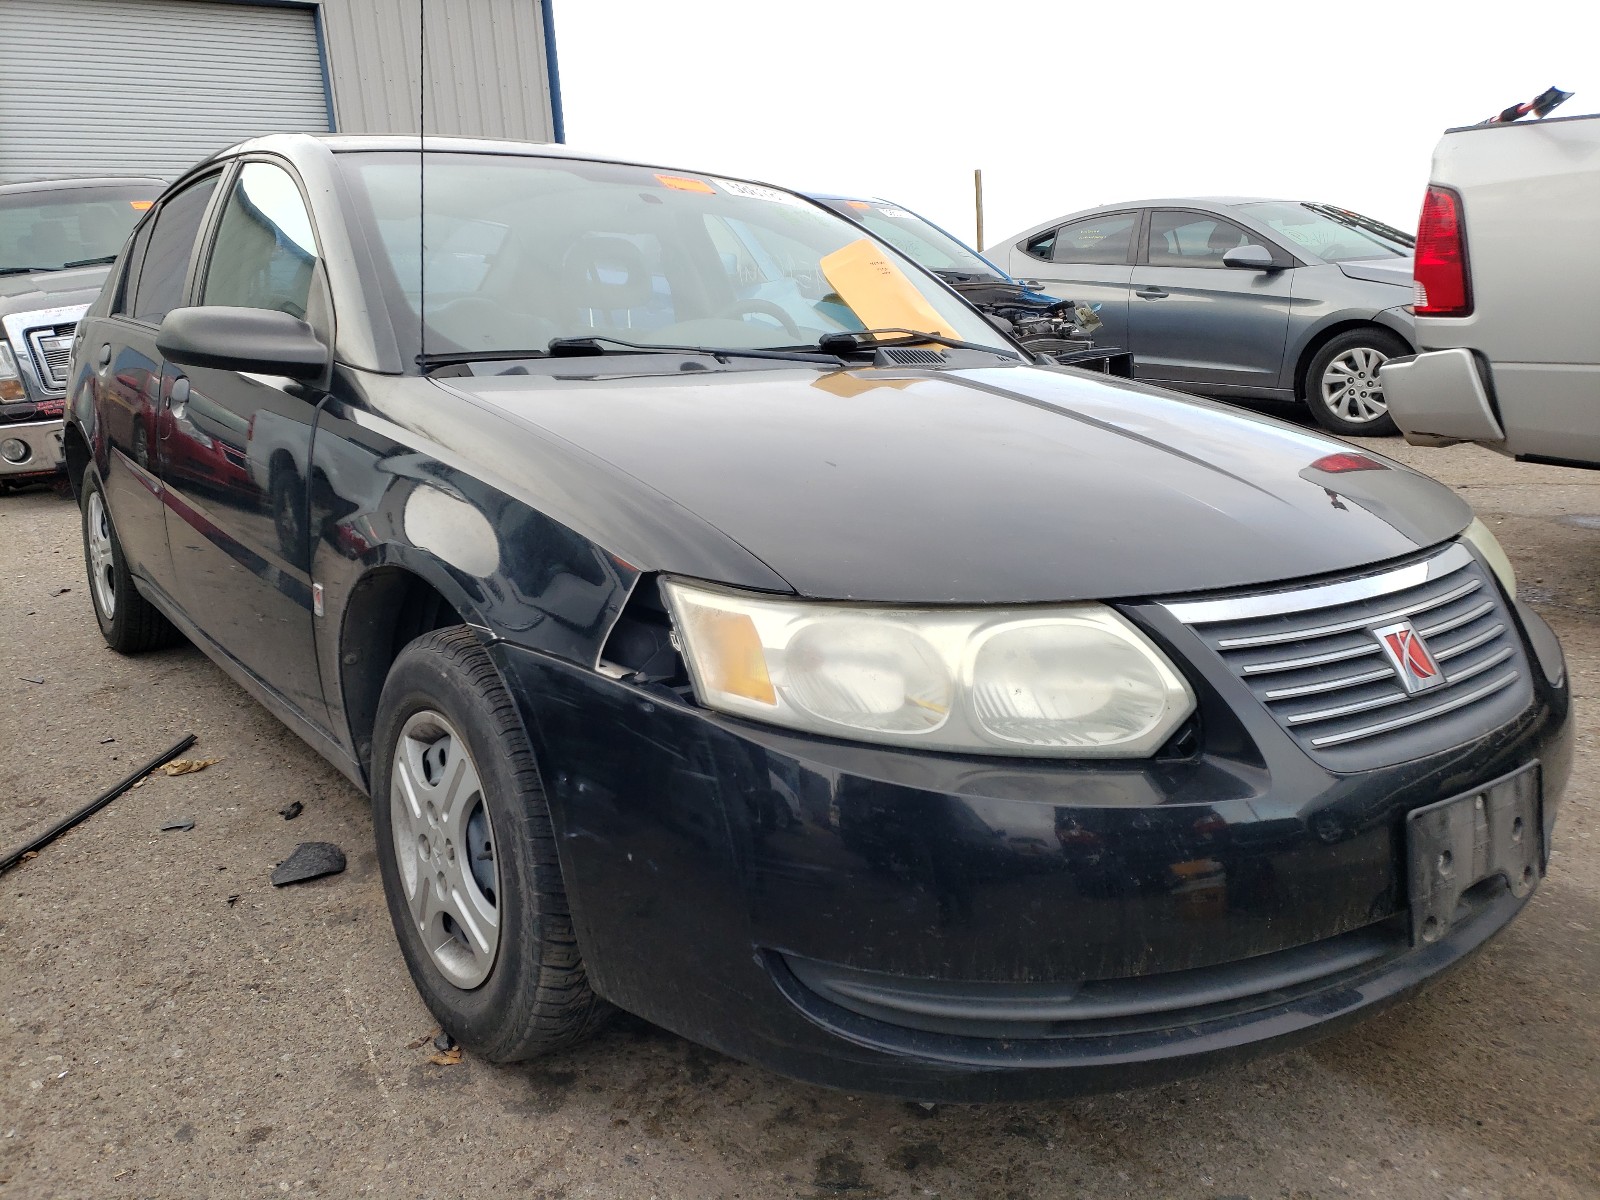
291	810
29	679
133	780
447	1059
444	1043
60	591
233	899
178	825
106	741
188	766
419	1043
310	860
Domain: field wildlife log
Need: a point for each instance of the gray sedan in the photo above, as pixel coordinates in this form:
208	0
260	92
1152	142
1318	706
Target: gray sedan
1233	297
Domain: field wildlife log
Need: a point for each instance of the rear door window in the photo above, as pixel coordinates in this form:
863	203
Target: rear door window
1099	239
170	249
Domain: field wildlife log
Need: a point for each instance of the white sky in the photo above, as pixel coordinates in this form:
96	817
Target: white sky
1064	106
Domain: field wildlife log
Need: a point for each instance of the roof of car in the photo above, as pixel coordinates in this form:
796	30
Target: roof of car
57	185
1182	201
288	144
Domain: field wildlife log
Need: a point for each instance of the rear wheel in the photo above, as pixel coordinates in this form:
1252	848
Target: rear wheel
468	857
1342	388
128	621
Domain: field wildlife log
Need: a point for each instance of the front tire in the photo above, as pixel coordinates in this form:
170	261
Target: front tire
1342	388
468	857
129	623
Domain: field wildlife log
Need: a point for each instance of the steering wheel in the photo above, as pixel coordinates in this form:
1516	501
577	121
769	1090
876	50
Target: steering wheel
739	307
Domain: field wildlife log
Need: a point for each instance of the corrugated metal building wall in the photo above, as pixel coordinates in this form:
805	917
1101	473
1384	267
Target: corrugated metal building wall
149	86
486	67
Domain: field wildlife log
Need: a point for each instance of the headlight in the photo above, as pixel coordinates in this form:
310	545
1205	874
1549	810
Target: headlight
10	383
1486	544
1072	681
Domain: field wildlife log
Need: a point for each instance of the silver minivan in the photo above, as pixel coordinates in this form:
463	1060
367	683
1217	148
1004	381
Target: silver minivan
1238	298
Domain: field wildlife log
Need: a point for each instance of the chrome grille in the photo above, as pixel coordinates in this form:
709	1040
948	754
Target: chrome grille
1311	657
51	348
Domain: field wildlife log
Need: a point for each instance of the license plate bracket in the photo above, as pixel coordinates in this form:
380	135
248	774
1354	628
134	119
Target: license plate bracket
1451	845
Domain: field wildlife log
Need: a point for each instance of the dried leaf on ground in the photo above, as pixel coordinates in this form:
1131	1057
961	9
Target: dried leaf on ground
187	766
419	1043
447	1059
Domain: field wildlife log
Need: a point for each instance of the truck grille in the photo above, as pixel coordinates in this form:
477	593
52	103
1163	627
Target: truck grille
51	348
1316	658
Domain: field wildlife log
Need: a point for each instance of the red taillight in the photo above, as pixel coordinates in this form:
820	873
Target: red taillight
1338	464
1440	268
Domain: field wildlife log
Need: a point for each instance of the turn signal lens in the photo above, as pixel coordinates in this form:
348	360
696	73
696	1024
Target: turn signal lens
734	665
1439	268
10	384
1486	544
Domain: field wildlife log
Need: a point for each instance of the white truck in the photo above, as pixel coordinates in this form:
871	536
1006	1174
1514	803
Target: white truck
1508	295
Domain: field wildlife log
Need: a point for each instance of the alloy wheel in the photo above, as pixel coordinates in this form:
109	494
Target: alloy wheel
102	564
444	848
1351	388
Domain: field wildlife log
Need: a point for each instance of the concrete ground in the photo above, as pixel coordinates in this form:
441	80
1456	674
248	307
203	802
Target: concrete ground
175	1027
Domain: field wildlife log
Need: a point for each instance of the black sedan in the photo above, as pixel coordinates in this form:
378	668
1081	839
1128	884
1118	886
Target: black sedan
791	660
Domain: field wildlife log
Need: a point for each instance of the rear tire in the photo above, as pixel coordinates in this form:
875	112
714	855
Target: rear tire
1342	388
129	623
468	857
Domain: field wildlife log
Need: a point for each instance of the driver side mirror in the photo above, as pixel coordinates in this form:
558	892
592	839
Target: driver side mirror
255	340
1251	258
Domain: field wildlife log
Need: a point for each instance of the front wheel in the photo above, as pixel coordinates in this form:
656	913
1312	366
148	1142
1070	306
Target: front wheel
468	857
1342	388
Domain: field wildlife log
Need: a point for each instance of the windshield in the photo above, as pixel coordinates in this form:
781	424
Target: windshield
1333	234
914	237
47	230
523	250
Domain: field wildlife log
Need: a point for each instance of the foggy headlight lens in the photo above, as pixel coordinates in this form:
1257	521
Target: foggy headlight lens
1070	681
1068	684
1486	544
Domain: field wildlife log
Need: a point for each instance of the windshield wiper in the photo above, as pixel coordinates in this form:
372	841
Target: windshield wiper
25	270
854	341
100	261
427	362
598	344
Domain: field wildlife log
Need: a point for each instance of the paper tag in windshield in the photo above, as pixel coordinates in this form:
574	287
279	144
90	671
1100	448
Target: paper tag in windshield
755	191
898	213
878	291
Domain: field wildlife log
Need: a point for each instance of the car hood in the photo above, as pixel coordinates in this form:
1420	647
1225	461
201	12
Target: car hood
992	485
50	289
1380	270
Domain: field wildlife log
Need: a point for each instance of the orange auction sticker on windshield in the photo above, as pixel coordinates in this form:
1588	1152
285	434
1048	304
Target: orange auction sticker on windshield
878	291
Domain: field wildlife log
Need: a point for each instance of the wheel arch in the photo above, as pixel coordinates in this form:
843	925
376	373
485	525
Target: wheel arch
1314	344
388	607
76	449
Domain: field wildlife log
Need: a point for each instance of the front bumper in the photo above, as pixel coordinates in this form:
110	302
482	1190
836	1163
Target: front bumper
795	901
1441	396
39	450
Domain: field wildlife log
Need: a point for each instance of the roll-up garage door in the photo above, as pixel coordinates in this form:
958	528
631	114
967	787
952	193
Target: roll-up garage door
149	87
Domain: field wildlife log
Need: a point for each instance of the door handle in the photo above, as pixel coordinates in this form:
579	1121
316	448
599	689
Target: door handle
105	355
1149	292
178	396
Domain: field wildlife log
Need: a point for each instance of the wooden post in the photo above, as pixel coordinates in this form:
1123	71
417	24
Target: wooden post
977	191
